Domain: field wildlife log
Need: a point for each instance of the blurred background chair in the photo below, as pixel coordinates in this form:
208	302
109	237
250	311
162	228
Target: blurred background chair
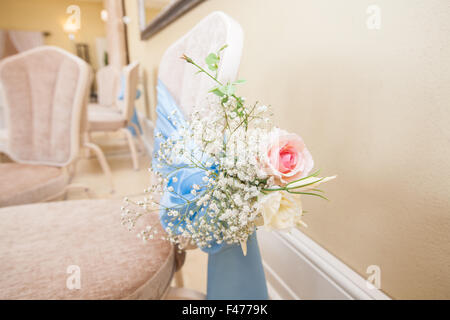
117	116
108	85
44	92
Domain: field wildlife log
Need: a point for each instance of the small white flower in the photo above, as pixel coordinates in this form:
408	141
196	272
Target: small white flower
262	108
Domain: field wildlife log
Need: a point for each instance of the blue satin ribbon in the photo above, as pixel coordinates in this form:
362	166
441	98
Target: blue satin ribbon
231	275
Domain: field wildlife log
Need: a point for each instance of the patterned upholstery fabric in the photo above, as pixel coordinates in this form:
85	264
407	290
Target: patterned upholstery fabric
25	183
39	242
44	91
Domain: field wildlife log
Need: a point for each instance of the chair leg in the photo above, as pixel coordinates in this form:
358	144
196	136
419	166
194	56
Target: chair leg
80	187
132	146
103	163
138	135
183	294
72	168
73	186
87	138
179	282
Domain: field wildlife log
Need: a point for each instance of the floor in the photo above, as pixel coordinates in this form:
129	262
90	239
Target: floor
131	183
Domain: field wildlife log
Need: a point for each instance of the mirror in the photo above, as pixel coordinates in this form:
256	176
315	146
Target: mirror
154	15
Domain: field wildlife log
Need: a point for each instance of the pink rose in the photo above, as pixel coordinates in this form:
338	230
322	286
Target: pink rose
285	157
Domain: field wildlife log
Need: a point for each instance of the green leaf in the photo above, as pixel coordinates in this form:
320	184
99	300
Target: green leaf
223	48
212	59
229	89
217	91
303	185
304	178
308	193
240	81
213	67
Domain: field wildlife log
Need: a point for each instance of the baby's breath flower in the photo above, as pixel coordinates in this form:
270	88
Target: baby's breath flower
222	140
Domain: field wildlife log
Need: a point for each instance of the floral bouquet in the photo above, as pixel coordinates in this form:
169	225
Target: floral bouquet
224	173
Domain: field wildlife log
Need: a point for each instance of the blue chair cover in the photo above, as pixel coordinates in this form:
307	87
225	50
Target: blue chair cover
231	275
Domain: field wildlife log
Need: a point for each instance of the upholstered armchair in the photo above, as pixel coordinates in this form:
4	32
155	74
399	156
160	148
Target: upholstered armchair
117	116
44	93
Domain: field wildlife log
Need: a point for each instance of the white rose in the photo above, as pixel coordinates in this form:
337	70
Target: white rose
280	210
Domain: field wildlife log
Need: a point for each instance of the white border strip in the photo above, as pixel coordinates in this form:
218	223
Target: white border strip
275	285
298	268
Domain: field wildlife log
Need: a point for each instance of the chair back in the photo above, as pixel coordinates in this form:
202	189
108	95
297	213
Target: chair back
45	91
130	77
209	35
107	86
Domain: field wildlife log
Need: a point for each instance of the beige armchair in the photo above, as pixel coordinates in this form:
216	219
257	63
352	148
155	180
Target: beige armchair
117	116
44	92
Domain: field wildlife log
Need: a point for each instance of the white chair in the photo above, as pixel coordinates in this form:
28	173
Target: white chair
118	116
108	83
190	89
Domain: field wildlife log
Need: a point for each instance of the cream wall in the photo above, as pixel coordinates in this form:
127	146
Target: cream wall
50	15
150	14
372	106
